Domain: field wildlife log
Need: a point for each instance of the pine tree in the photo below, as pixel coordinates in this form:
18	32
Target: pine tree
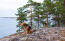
21	18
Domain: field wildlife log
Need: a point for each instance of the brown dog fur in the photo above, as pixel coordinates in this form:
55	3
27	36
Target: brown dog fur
27	28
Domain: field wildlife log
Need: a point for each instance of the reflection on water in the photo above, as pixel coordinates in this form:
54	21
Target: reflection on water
7	26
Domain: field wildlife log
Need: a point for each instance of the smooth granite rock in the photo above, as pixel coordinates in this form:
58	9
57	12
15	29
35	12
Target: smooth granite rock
44	34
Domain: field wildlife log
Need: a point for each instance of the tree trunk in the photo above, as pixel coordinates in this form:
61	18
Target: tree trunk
31	15
58	21
47	20
64	3
38	21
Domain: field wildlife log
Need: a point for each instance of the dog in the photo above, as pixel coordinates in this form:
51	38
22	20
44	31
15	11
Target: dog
27	28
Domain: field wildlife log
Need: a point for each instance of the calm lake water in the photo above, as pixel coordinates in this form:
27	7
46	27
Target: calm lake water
7	26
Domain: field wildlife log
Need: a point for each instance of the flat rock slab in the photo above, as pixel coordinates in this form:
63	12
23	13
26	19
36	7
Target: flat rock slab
44	34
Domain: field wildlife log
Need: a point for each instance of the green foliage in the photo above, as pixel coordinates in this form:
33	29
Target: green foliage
55	8
21	18
38	14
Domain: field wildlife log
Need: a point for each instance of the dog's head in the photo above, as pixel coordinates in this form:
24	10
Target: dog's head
23	23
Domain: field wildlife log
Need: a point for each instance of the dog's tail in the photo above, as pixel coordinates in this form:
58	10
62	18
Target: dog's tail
32	31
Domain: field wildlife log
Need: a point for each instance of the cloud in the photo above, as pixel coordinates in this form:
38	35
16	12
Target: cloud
13	4
9	7
39	1
7	12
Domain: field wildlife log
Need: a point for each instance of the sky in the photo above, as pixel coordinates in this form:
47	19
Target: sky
8	8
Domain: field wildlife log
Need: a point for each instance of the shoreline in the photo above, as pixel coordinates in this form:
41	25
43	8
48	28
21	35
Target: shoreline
46	34
9	35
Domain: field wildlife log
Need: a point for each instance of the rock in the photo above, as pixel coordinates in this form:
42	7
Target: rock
62	39
45	34
24	38
14	39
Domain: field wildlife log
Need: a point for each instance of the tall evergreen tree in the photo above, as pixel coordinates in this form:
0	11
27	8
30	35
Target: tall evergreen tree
21	18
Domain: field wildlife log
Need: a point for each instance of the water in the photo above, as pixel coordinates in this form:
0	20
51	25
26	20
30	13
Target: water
7	26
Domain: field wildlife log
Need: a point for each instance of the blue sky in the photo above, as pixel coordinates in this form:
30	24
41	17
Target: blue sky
8	8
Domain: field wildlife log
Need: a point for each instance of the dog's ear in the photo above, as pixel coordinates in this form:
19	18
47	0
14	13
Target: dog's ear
23	23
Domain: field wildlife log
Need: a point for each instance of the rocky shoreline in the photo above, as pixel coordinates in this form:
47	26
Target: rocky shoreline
42	34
